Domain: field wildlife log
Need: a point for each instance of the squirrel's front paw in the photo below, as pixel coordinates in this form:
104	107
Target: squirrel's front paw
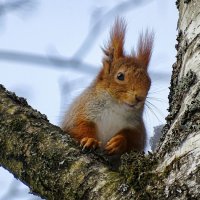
116	145
89	143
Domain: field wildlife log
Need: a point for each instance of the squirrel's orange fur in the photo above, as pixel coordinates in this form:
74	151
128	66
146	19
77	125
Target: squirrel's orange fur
108	114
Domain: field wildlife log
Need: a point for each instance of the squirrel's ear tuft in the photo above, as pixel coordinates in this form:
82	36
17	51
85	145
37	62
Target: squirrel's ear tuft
115	47
145	48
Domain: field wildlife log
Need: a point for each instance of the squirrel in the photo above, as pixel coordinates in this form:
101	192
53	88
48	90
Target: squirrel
108	114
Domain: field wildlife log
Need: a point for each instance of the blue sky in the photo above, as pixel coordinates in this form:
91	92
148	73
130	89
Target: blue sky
58	28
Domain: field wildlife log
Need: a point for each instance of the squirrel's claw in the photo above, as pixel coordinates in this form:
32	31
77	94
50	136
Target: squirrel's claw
116	145
89	143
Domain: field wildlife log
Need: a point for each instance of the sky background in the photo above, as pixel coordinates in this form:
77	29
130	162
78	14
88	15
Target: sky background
58	29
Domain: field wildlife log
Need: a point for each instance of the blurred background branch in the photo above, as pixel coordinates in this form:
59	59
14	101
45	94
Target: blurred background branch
58	62
55	62
16	5
102	21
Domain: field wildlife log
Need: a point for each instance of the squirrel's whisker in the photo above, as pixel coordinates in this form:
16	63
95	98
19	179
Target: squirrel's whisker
159	111
156	99
151	110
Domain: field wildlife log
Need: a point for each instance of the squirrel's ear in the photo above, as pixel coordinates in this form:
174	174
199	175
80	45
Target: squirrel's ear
115	47
105	70
145	48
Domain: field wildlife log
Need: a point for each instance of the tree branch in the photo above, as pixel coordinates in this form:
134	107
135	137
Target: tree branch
60	63
46	159
97	26
11	6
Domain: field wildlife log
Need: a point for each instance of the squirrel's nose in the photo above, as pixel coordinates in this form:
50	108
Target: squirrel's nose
139	98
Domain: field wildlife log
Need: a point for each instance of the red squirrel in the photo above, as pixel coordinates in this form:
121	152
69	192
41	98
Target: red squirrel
108	114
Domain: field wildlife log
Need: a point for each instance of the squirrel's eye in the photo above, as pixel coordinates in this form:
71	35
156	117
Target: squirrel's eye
120	76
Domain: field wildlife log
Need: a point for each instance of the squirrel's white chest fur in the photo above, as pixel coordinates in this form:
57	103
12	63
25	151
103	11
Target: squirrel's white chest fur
109	123
113	118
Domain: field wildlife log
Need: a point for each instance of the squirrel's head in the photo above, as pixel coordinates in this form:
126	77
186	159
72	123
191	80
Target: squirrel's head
125	77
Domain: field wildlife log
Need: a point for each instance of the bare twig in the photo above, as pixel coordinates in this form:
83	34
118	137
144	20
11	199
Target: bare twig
59	63
50	61
96	29
15	5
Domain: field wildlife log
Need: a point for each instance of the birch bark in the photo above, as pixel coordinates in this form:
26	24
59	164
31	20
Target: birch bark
53	166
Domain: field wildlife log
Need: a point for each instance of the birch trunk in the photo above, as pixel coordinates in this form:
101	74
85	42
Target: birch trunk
179	147
54	167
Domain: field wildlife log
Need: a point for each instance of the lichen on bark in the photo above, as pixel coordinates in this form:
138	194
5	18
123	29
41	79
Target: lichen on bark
176	98
45	158
52	165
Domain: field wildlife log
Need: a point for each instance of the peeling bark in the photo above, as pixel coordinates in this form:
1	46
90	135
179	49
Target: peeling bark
54	167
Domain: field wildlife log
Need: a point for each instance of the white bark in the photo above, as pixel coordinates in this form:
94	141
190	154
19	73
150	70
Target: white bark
181	146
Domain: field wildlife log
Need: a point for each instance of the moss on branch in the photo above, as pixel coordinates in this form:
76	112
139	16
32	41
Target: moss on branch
47	160
54	167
